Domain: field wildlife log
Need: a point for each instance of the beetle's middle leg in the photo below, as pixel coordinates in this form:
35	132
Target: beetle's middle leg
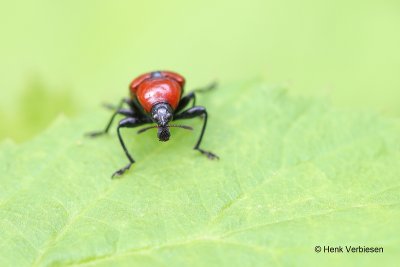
117	110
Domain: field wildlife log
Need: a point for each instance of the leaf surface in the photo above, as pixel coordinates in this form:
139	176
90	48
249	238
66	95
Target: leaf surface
294	173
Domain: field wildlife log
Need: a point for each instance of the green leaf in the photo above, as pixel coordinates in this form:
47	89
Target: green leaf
293	174
35	109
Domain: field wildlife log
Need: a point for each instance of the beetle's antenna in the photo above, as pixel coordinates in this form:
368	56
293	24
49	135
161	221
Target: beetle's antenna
169	126
147	128
181	126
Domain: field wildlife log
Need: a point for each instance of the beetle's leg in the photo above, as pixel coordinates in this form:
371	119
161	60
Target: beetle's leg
137	108
126	112
186	99
118	110
129	122
209	87
195	112
113	107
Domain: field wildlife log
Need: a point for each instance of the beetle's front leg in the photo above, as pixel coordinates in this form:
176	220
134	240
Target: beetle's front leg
129	122
192	113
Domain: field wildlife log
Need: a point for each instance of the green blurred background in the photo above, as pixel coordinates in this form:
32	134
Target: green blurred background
69	56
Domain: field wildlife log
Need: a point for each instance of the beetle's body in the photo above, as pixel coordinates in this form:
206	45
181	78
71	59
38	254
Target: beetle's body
157	97
157	87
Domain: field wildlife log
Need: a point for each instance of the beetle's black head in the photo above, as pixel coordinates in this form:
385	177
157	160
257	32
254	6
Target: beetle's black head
161	114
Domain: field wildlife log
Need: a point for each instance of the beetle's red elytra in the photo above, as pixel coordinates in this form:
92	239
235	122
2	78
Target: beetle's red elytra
155	87
157	97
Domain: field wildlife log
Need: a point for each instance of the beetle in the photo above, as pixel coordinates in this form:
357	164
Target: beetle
157	97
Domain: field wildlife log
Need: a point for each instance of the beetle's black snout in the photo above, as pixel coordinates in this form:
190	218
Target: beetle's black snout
163	134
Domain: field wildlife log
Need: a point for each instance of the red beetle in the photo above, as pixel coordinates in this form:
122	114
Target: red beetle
156	97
